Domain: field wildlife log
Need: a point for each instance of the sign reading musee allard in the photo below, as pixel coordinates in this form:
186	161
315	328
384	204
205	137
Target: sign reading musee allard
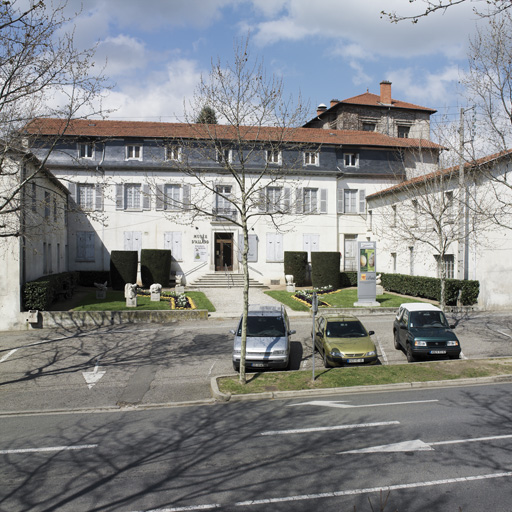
367	274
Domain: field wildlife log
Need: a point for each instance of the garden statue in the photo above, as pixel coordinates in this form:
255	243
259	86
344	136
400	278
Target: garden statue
130	291
101	287
155	288
178	279
290	285
289	279
101	292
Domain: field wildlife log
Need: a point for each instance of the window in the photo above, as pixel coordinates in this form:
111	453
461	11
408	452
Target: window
351	159
414	212
310	200
352	201
275	252
393	261
449	263
172	197
223	201
86	150
224	155
46	205
85	245
132	197
274	156
403	132
274	197
133	241
133	152
310	243
172	241
311	158
368	127
85	196
34	197
448	207
173	153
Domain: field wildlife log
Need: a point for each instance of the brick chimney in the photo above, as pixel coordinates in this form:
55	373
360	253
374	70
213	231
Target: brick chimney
321	109
385	92
334	102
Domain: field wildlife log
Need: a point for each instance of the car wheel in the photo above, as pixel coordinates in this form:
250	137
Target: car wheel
326	363
397	341
410	355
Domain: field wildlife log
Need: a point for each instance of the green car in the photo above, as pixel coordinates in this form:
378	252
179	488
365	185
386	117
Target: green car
342	340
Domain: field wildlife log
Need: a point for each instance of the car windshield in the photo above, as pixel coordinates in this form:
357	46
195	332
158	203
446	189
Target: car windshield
263	326
345	330
423	319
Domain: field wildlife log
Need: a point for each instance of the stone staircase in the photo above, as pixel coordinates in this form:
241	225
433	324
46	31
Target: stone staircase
224	280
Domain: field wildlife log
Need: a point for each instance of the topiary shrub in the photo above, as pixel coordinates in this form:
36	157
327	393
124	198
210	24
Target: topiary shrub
295	263
123	268
325	269
348	279
155	266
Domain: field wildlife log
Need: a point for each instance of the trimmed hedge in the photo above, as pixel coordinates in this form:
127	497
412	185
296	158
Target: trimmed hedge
430	288
325	269
295	263
42	293
348	279
155	267
89	277
123	268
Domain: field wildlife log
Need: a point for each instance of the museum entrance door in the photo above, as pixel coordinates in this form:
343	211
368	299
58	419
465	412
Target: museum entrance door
223	251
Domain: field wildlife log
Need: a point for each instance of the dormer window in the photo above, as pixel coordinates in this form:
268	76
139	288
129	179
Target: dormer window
274	156
351	159
311	158
173	153
86	150
403	132
369	127
134	152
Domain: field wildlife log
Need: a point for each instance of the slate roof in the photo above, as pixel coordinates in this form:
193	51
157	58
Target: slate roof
373	100
142	129
447	172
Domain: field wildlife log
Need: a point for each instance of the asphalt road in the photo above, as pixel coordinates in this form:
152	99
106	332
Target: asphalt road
134	365
424	450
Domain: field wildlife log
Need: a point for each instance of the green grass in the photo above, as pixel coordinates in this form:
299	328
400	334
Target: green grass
116	301
341	299
365	376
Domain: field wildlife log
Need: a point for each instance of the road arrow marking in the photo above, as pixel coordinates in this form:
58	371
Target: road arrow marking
335	427
418	445
343	405
91	378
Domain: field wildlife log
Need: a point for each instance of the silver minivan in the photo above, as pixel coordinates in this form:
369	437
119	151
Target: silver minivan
268	338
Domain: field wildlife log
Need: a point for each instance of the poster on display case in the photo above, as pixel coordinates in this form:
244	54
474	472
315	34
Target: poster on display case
367	274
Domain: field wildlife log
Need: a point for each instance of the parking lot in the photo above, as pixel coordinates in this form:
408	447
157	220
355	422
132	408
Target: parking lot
146	364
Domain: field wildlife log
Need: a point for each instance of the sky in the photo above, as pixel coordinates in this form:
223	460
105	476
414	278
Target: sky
156	50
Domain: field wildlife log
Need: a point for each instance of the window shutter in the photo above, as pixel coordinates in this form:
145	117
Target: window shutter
340	200
262	206
159	197
146	198
362	201
119	197
286	200
186	197
299	203
72	191
98	192
323	200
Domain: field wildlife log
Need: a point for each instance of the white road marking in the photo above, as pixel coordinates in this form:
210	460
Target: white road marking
50	449
9	354
504	333
385	488
91	378
419	445
323	429
183	509
382	351
342	405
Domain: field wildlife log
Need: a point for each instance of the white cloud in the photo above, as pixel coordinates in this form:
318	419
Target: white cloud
122	53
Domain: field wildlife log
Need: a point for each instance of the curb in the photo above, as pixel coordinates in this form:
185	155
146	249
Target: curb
400	386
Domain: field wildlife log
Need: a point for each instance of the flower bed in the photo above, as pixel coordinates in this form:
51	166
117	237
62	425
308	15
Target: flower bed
306	296
176	300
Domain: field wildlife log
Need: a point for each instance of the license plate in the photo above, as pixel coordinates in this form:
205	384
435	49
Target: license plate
438	351
355	360
258	365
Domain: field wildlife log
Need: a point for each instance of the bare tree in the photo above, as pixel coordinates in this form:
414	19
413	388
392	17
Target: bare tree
492	8
255	149
427	213
42	74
